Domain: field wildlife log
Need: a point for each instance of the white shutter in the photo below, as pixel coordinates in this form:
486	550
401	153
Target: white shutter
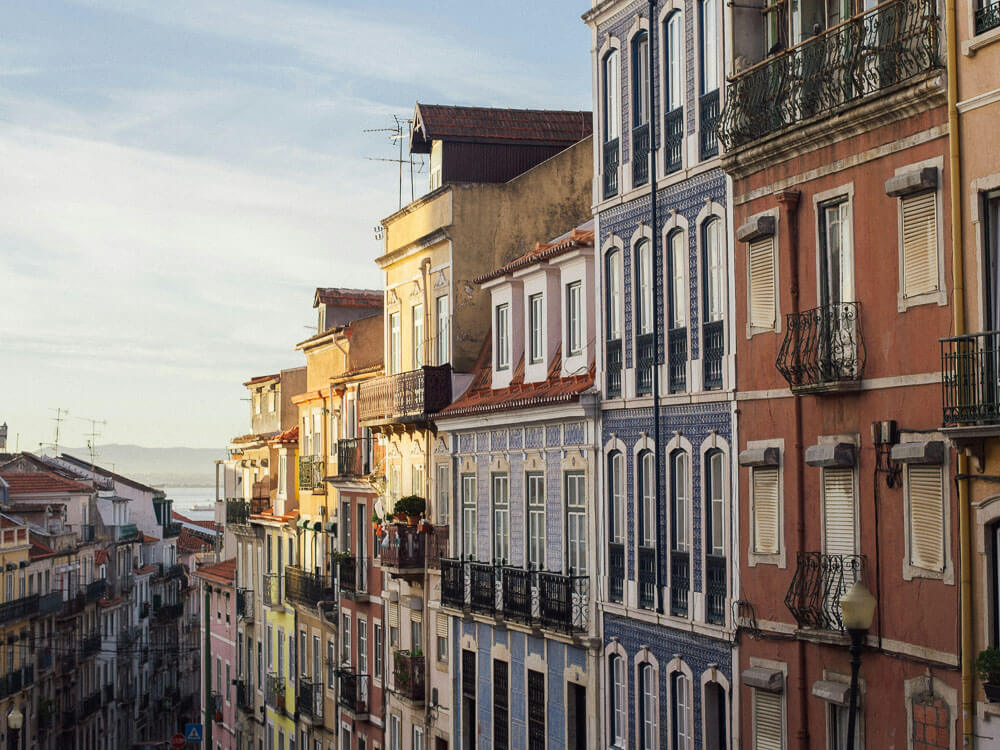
393	614
767	725
765	510
442	625
416	616
838	511
920	244
762	283
926	517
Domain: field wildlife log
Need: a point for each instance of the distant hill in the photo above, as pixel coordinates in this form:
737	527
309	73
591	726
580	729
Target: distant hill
160	467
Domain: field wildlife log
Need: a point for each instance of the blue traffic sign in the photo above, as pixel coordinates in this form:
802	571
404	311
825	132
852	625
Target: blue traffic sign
192	732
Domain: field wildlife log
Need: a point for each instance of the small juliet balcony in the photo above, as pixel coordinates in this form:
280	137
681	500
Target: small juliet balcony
408	397
823	350
640	155
244	605
673	130
405	555
353	693
611	159
716	589
616	572
309	699
819	582
354	574
274	691
244	697
613	368
408	675
307	589
970	368
357	457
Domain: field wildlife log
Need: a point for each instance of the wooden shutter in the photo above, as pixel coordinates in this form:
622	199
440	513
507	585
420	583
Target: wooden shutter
926	517
416	616
442	625
767	725
762	283
838	511
765	510
920	244
393	614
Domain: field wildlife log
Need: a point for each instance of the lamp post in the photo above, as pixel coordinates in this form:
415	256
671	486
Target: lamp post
857	608
15	720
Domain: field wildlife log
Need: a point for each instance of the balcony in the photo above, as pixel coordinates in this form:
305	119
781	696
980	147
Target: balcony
96	590
680	582
50	603
353	693
616	572
645	363
354	575
613	368
404	557
357	457
408	672
18	609
708	111
272	590
405	397
436	547
45	659
987	17
127	532
72	606
640	155
673	129
244	604
90	645
90	705
970	367
866	54
108	694
535	597
311	472
244	697
68	720
677	351
611	155
823	350
168	612
306	588
716	589
819	582
309	699
647	577
170	530
274	691
713	350
238	510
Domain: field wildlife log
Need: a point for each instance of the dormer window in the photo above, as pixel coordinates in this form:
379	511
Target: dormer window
574	318
536	341
503	336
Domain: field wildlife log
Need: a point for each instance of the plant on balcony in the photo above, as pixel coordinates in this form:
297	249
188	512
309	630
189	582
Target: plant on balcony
339	557
412	506
424	526
376	520
988	670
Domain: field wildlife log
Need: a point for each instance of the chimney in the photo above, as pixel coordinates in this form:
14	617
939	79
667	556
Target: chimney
3	437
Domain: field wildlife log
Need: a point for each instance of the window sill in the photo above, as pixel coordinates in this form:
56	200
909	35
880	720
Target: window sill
971	46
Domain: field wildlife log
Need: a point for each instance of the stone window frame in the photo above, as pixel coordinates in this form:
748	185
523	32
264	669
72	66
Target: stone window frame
911	571
940	296
780	557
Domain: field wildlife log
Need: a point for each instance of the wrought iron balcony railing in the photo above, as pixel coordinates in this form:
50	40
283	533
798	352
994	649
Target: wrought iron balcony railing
640	155
170	530
169	612
647	577
868	53
819	582
436	546
673	129
307	588
353	693
716	589
90	645
550	600
408	673
355	575
970	370
272	589
677	353
613	367
244	696
713	349
309	698
49	603
311	472
244	604
987	17
238	510
406	549
708	139
19	609
823	349
680	582
274	691
611	154
405	396
96	590
616	572
645	363
357	457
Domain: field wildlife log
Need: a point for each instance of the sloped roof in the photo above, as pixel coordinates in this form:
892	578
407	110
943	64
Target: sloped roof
188	543
107	473
262	379
342	297
208	525
291	435
224	572
433	122
42	481
253	437
582	236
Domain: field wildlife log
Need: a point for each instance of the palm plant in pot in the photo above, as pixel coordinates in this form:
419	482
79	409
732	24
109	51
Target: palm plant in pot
988	670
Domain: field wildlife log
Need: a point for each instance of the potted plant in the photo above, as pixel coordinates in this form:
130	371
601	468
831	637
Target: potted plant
988	670
376	520
412	506
425	526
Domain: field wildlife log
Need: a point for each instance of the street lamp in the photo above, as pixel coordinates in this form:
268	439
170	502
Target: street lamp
857	608
15	720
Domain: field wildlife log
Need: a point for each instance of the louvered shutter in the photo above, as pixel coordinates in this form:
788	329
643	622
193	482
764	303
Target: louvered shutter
762	283
393	614
767	727
416	616
442	625
838	511
765	510
920	256
926	517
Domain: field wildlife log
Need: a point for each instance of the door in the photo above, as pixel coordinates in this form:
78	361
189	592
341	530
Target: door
836	321
362	564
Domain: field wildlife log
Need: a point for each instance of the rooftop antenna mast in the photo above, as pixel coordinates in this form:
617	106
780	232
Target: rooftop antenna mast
92	438
59	418
399	132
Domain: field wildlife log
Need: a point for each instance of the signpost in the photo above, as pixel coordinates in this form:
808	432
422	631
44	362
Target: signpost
192	732
178	741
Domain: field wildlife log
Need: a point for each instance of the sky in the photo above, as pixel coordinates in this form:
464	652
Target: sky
176	179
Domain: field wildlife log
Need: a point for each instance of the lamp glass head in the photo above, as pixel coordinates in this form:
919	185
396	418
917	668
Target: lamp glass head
15	719
857	607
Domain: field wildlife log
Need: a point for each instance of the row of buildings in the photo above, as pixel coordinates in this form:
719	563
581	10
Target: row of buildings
98	620
647	391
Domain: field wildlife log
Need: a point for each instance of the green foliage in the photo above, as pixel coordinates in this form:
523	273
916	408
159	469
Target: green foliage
410	505
988	666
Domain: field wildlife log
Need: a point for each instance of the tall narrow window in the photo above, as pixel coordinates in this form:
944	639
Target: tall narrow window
574	318
681	500
377	650
926	517
647	500
709	46
839	512
501	705
469	515
501	519
616	498
647	707
443	330
417	316
681	729
417	480
715	510
362	646
612	97
536	710
576	522
613	280
395	350
619	699
536	351
644	287
535	483
674	49
443	494
714	282
677	261
766	532
640	79
503	336
762	287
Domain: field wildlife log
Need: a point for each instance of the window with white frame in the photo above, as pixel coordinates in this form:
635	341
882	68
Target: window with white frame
680	464
502	324
536	334
395	345
640	79
443	495
839	511
714	272
501	517
469	515
418	738
417	480
362	646
768	721
377	650
836	721
535	484
395	732
648	711
576	522
613	295
644	287
680	730
443	329
919	228
709	46
764	486
612	96
715	511
647	499
925	502
441	622
282	474
673	38
345	638
574	318
676	265
619	701
417	318
616	497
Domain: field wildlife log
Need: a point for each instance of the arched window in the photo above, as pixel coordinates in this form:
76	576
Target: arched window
616	526
709	46
613	295
612	96
715	525
716	733
676	265
616	667
647	707
647	500
680	500
712	265
680	695
640	79
673	48
644	287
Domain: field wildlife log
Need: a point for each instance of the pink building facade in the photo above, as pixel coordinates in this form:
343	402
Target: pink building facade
219	669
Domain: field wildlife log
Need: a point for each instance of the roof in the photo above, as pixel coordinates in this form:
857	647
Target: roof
39	550
146	569
270	516
262	379
341	297
253	437
188	543
40	482
107	473
481	398
582	236
209	525
290	435
438	122
100	557
224	572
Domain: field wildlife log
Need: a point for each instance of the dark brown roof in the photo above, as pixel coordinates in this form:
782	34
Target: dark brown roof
348	297
439	122
262	379
582	236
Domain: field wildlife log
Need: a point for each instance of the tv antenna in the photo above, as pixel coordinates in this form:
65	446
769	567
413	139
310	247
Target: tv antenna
59	418
399	133
92	437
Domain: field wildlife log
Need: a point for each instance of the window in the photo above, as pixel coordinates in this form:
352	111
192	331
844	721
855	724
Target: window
395	345
674	48
837	719
677	263
681	500
764	484
640	79
762	288
680	688
345	638
768	722
836	260
501	706
536	710
441	621
616	498
418	738
925	498
612	97
317	660
503	336
715	512
377	651
919	224
991	259
536	351
281	653
574	318
331	665
501	518
443	330
270	648
395	733
712	268
469	515
647	499
619	720
613	280
282	473
417	316
535	483
647	707
256	402
362	646
576	523
442	494
644	287
417	480
839	529
709	47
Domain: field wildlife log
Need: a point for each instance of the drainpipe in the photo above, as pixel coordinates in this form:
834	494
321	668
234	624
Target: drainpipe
657	322
958	310
789	202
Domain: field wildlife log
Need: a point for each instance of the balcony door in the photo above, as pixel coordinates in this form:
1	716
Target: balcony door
835	323
991	245
362	544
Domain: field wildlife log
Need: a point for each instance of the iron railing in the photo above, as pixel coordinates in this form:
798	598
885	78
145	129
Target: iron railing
874	50
406	547
307	588
613	367
823	348
453	583
353	693
19	609
987	17
171	530
357	457
355	575
309	698
645	363
407	394
238	510
169	611
244	604
708	139
96	590
647	577
611	154
715	589
616	572
244	696
677	357
274	691
408	672
483	587
713	349
436	547
272	589
970	370
680	582
90	645
640	155
673	129
819	582
310	472
49	603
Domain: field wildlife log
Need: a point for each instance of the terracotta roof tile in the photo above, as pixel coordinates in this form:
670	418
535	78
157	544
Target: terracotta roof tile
253	437
348	297
189	543
41	481
39	550
582	236
290	435
100	557
432	122
224	571
262	379
146	569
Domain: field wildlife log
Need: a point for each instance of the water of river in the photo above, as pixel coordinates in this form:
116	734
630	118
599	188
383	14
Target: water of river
188	501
